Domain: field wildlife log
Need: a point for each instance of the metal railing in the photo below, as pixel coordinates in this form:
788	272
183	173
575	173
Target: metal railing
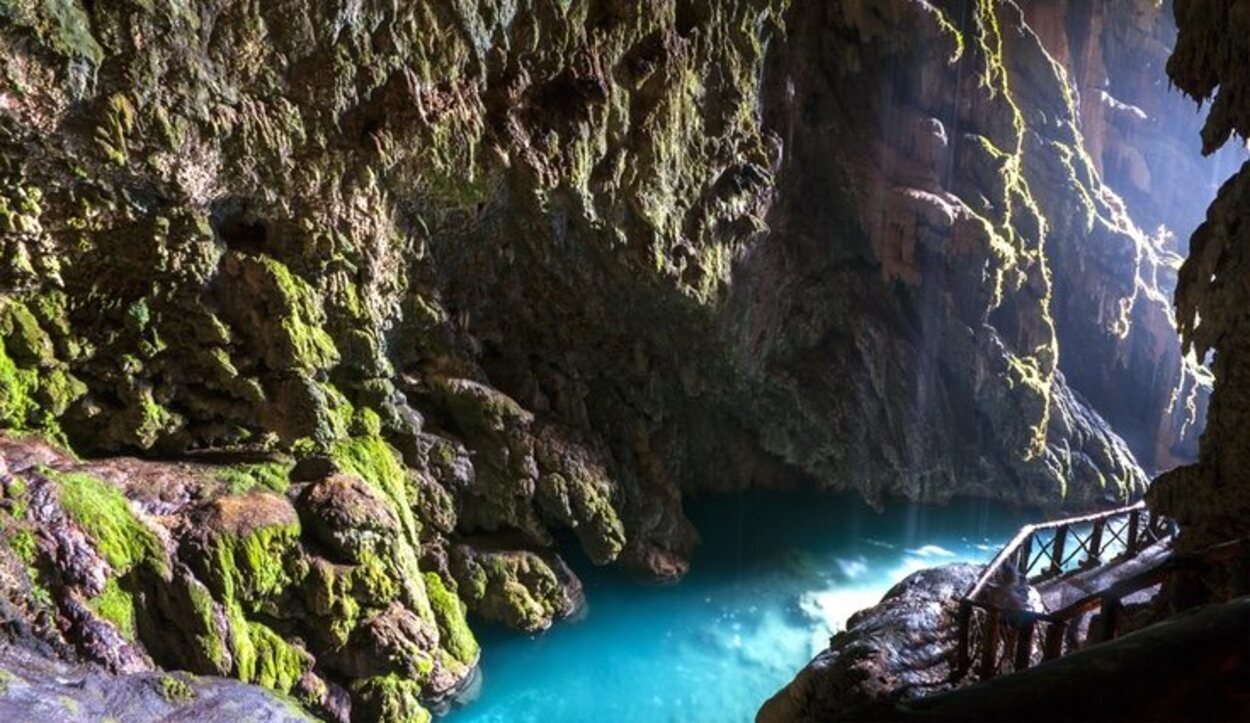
997	639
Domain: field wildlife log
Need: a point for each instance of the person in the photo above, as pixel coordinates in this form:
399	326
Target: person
1010	592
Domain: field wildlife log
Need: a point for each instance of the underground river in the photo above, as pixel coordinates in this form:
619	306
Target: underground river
775	576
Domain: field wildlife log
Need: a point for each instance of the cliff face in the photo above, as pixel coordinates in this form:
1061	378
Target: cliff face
398	293
1211	498
966	239
1141	138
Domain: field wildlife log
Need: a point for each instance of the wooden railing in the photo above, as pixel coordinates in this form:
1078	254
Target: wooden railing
997	639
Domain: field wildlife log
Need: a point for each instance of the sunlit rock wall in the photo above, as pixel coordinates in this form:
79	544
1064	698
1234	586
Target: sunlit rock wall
1142	137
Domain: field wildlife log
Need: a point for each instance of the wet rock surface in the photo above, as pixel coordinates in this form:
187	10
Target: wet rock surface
1192	667
900	649
38	688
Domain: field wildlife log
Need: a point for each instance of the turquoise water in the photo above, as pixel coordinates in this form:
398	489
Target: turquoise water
774	578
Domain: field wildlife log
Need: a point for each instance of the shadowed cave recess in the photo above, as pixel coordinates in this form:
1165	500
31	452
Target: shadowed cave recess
375	361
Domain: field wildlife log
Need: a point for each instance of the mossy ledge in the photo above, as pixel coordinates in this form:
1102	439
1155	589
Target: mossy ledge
228	582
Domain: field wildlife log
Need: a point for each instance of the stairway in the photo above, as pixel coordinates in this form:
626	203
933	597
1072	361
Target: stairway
1035	601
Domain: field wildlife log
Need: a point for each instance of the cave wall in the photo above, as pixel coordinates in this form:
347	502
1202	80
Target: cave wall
468	276
1211	499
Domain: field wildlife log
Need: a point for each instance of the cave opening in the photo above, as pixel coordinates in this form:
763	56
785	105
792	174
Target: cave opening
238	227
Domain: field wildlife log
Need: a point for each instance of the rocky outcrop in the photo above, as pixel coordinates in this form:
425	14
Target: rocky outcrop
961	239
900	649
311	589
44	689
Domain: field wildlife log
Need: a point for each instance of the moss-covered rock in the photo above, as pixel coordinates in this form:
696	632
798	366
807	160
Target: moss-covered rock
389	698
352	519
105	514
449	612
279	312
519	588
244	547
236	584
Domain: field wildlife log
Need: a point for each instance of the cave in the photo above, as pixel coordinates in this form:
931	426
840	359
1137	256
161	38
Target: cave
772	360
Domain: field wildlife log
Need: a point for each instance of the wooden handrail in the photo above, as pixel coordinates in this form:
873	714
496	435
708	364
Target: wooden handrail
1108	601
1025	535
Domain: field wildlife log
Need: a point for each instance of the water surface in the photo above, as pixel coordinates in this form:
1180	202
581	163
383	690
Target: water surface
775	576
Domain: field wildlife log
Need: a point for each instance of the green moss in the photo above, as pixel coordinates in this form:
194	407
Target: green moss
376	462
58	389
949	27
206	637
373	580
478	408
327	592
455	635
276	664
62	25
23	543
261	656
25	339
15	492
104	513
240	478
1019	208
17	387
367	423
153	419
250	568
392	699
305	344
341	413
116	606
138	316
176	690
119	122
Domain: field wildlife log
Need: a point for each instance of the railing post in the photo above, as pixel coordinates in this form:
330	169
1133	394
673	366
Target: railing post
1095	543
1026	552
1024	646
1056	550
963	658
1130	545
1054	640
989	642
1110	615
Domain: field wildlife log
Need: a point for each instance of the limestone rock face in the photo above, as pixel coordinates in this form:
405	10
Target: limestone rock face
962	239
1142	137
